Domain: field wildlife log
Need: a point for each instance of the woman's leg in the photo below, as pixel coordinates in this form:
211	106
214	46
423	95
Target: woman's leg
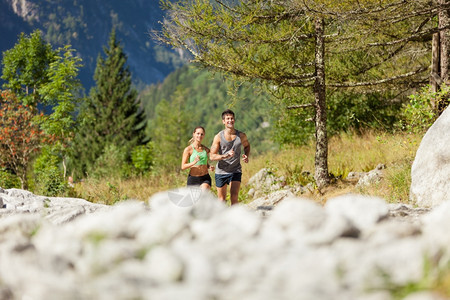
205	186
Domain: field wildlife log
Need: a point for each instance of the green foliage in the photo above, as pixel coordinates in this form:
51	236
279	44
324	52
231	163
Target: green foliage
50	182
9	180
340	172
243	196
294	127
112	163
169	131
25	67
59	92
116	194
143	157
279	50
419	114
358	112
297	175
37	74
110	116
346	112
49	177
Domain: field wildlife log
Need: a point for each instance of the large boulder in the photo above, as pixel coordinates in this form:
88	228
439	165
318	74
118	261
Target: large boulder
430	173
57	210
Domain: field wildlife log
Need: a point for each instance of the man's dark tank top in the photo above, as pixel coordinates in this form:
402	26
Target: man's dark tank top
232	164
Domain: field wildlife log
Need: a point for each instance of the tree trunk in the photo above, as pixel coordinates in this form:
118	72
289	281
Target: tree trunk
24	181
321	159
444	47
444	41
64	167
435	69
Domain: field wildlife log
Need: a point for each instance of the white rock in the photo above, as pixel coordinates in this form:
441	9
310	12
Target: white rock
437	224
163	265
430	172
362	211
270	199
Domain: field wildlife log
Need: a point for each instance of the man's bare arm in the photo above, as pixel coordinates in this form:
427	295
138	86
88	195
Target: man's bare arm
246	145
214	154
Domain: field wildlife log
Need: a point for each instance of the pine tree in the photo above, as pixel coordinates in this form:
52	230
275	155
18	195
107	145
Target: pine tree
110	116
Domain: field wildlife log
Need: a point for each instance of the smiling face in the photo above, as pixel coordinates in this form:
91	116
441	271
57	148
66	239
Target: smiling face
228	121
199	134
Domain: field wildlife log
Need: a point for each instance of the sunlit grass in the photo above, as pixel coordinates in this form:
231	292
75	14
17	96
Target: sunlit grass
346	153
110	191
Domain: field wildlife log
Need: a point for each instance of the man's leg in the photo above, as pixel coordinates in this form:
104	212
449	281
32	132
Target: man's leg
222	192
234	192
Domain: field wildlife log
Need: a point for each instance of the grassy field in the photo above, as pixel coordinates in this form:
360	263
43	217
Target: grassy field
348	152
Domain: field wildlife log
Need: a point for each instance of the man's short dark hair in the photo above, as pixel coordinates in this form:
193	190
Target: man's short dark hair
227	112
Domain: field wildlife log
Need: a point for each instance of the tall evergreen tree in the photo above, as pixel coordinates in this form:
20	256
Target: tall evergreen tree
110	116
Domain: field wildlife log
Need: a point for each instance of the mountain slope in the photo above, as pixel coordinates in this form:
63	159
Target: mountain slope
86	24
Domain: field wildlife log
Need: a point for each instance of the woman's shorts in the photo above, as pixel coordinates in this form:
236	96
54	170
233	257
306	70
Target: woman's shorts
199	180
222	179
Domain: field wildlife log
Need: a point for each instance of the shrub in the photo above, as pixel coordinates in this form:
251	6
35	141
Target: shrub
112	164
419	114
142	158
9	180
49	177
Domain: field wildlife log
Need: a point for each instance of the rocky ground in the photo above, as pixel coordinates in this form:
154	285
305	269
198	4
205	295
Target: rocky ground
187	245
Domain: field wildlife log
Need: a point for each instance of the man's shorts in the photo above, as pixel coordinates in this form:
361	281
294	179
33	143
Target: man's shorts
199	180
222	179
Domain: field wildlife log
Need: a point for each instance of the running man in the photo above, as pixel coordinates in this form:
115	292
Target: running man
226	149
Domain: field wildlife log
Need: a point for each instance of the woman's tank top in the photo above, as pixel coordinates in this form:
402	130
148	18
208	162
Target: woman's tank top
203	157
232	164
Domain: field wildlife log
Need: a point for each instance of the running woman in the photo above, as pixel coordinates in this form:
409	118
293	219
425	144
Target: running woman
195	158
